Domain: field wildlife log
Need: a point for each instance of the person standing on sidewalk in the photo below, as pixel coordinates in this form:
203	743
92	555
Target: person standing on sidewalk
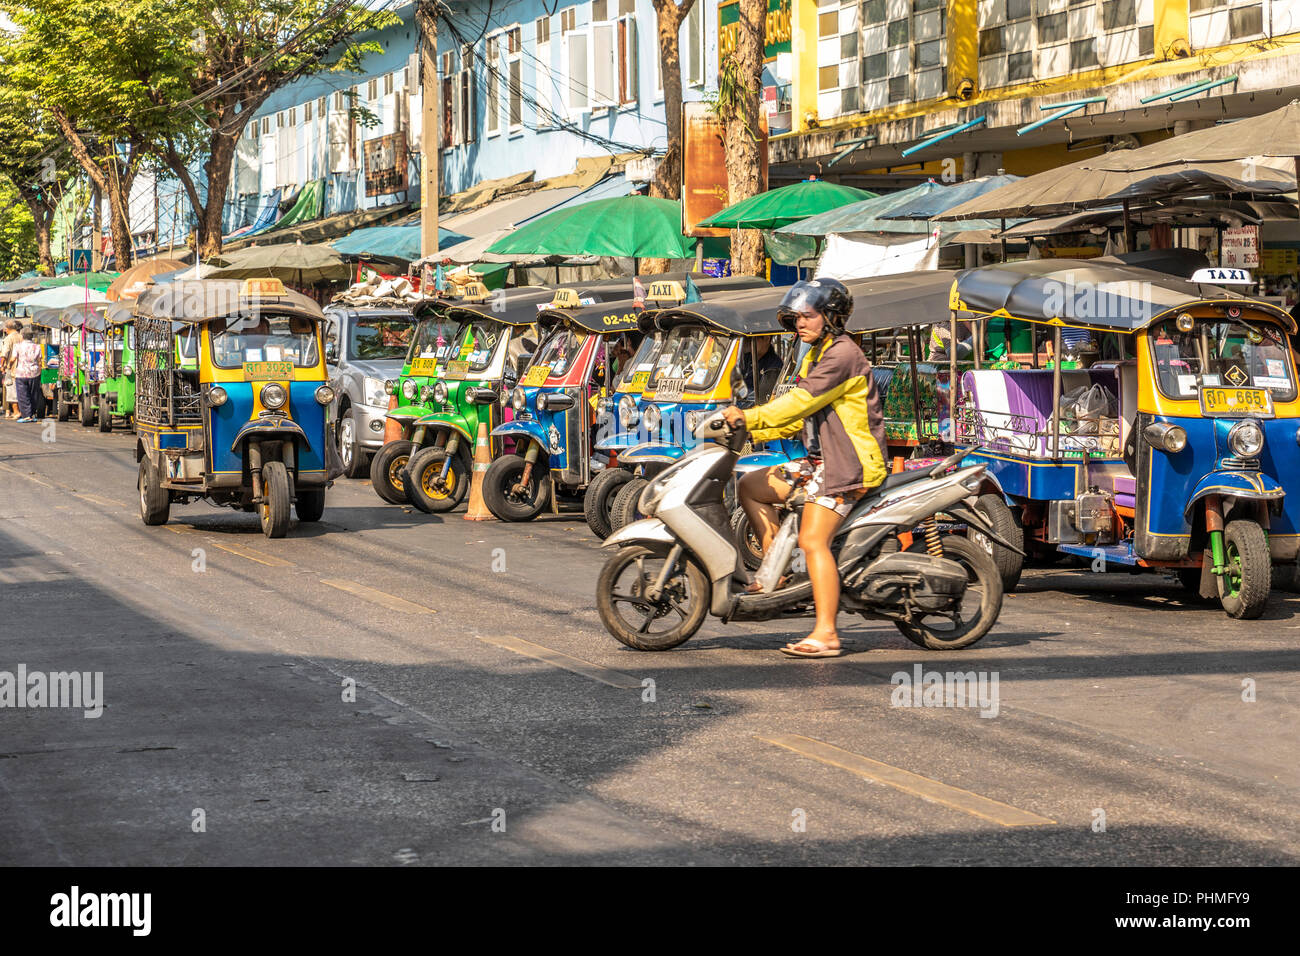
26	356
8	387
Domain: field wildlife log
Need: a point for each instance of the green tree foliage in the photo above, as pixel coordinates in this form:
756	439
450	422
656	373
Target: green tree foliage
17	234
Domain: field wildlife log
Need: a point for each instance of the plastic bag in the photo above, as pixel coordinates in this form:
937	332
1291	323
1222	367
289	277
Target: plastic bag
1083	408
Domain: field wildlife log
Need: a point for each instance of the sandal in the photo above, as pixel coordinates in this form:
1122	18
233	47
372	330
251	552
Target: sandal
819	649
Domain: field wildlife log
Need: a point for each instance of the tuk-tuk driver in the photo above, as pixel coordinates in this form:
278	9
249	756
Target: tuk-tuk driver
836	405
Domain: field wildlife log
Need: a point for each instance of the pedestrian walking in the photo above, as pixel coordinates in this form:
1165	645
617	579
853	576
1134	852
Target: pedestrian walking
26	358
8	387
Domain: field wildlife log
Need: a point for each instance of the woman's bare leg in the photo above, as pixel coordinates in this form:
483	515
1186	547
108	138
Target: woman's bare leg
759	492
816	529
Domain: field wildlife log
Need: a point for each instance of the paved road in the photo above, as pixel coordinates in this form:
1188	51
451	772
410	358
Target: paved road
370	690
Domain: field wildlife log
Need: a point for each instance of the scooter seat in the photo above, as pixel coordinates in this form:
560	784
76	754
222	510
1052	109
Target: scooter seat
903	478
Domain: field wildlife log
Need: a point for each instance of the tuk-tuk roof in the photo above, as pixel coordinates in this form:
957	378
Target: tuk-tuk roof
702	282
45	318
749	312
90	315
516	306
120	312
198	301
603	318
899	301
1068	292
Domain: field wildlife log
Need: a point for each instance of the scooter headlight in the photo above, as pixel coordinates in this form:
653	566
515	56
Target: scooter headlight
653	418
517	399
409	390
217	396
1246	439
627	413
273	395
440	392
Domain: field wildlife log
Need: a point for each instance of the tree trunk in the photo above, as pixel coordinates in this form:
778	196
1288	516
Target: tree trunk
113	182
667	182
43	217
743	152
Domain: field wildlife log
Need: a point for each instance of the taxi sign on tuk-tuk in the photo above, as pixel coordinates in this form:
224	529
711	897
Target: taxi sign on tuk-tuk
665	291
565	299
267	371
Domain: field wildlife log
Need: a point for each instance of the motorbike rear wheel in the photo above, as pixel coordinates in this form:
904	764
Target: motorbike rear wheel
978	610
682	607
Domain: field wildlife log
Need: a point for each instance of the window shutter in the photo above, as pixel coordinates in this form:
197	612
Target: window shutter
578	75
448	113
603	66
628	77
469	118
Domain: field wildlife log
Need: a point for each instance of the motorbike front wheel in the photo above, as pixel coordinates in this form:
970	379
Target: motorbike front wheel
634	619
978	610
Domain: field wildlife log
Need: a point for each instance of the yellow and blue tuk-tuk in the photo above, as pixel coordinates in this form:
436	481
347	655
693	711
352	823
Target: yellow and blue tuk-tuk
1161	435
232	401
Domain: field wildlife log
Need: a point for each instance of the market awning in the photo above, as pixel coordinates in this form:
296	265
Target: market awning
323	230
1272	135
400	243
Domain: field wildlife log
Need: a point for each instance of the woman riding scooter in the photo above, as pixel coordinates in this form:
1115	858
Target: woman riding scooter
836	404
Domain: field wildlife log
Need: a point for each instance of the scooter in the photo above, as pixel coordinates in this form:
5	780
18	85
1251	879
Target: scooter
679	564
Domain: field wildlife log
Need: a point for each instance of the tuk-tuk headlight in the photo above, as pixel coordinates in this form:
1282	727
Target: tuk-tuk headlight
127	370
324	395
627	413
408	390
426	393
273	395
653	419
693	419
390	388
1246	439
517	399
217	396
1166	436
440	392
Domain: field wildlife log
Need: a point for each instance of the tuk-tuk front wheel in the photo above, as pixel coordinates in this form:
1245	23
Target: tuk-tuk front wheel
599	499
61	405
509	502
155	501
274	509
105	416
1247	578
310	504
85	411
625	508
386	470
427	489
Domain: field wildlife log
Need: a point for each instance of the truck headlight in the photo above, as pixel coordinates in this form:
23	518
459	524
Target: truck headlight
408	390
440	392
376	391
273	395
1246	439
627	413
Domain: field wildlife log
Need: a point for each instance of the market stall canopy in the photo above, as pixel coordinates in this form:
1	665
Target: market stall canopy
132	282
24	284
200	301
787	204
875	215
897	301
99	281
931	203
398	243
297	262
1085	293
1275	134
626	226
1175	214
322	230
1084	184
58	298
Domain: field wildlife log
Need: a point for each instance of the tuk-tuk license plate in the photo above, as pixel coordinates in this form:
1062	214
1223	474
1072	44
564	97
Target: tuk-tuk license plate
669	389
267	371
536	375
424	366
1236	402
457	370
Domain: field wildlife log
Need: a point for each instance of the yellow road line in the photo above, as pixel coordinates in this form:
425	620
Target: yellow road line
908	782
258	556
377	597
575	664
96	500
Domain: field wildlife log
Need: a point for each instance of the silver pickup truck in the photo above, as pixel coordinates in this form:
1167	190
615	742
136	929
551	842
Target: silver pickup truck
364	347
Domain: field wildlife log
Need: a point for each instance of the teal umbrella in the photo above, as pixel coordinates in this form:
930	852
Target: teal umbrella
639	227
780	207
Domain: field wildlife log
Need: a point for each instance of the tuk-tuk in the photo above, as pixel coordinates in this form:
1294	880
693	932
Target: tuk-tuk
438	411
556	405
81	361
479	360
1171	443
691	375
246	423
117	390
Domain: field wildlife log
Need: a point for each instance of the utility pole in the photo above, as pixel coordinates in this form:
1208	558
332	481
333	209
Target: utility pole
426	20
96	230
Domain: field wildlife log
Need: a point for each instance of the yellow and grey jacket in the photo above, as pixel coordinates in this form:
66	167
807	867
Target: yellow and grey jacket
836	402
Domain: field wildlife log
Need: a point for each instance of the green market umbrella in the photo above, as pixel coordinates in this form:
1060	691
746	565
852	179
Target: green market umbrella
780	207
638	227
99	281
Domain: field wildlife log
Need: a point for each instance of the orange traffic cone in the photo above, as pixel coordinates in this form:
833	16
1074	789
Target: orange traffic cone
392	427
478	511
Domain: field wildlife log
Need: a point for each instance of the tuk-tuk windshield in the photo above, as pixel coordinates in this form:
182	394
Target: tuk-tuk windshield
263	338
642	361
477	343
559	350
691	353
380	336
1221	353
187	344
435	337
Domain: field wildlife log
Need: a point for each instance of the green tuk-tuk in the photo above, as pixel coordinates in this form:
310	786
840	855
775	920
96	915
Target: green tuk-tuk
117	390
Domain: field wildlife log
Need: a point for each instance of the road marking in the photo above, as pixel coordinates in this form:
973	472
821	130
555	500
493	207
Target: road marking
908	782
378	597
258	556
96	500
575	664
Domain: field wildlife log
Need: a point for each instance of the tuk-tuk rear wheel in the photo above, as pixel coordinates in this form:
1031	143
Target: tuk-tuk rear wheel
85	411
155	501
310	504
1007	526
1244	586
61	405
105	417
274	508
386	470
625	509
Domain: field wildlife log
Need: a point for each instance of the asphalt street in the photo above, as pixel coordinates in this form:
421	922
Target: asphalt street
388	687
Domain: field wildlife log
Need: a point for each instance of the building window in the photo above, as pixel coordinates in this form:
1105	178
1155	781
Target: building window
495	81
990	41
613	53
576	64
1245	22
1052	28
1118	14
514	71
372	90
306	112
320	106
266	125
388	83
338	102
692	43
545	84
1083	54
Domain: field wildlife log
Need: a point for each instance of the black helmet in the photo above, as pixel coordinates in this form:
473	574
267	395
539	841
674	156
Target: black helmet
828	297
